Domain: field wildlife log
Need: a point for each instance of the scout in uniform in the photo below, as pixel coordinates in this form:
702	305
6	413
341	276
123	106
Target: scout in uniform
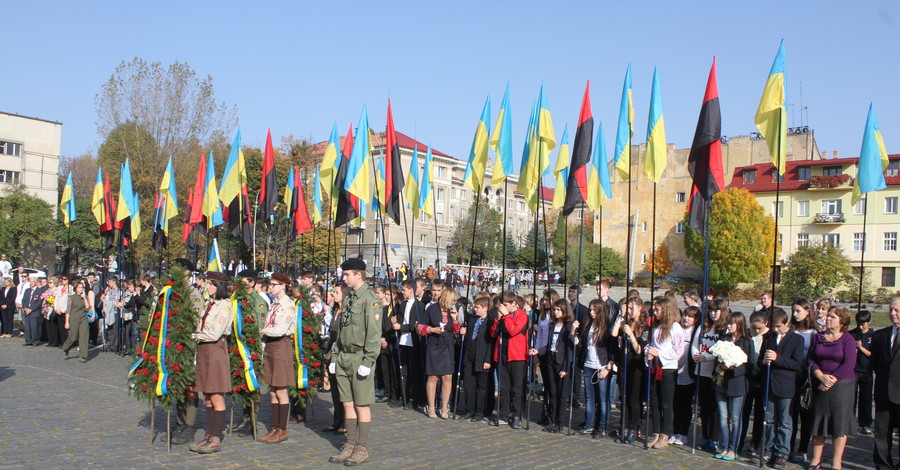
357	348
259	308
213	366
278	365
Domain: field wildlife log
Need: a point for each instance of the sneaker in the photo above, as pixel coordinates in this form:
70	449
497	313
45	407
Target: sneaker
501	421
798	459
679	440
776	462
588	431
195	447
600	435
864	430
213	445
343	455
672	438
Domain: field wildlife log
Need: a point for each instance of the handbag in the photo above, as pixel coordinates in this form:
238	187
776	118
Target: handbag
806	391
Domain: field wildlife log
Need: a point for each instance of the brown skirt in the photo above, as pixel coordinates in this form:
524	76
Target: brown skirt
213	367
278	366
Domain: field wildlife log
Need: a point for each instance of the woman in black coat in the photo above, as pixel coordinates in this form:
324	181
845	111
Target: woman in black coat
7	307
440	327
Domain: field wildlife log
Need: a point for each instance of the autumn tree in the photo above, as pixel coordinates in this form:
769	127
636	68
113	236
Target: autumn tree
740	239
815	270
662	261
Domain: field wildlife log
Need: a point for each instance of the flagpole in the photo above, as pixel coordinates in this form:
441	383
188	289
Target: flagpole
472	246
653	248
503	256
437	248
578	301
862	256
775	234
255	215
600	243
628	241
565	249
704	307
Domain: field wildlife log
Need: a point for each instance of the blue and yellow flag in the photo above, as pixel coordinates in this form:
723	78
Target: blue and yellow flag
625	129
168	191
359	173
599	185
124	209
542	143
289	194
655	154
525	165
330	164
478	156
317	198
97	199
214	263
771	116
425	196
561	171
411	190
501	142
873	160
212	209
235	176
67	203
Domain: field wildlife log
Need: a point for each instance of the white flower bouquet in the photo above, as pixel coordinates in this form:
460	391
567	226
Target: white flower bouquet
729	356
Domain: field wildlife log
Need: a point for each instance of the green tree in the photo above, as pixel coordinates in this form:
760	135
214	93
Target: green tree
815	270
740	234
81	239
524	258
27	224
488	232
606	262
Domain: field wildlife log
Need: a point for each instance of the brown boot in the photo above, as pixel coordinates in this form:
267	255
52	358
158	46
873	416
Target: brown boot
360	455
280	436
272	432
343	455
662	442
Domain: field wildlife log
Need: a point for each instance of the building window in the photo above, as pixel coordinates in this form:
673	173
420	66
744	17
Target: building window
441	172
679	197
643	258
453	193
802	239
833	239
440	218
643	226
440	194
860	207
776	178
9	176
10	148
893	168
831	206
859	242
439	241
463	213
463	195
779	210
803	209
833	171
749	176
803	173
888	277
890	241
511	204
679	227
890	205
422	239
520	224
509	222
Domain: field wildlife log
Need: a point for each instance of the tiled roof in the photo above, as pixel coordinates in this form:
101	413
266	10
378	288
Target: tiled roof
765	174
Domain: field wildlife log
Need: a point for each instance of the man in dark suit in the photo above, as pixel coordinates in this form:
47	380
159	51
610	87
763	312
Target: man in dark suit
32	303
886	363
477	360
410	345
782	351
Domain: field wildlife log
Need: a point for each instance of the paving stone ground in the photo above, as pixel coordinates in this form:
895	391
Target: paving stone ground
64	414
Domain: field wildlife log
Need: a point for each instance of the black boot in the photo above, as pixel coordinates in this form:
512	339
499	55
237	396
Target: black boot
175	430
186	436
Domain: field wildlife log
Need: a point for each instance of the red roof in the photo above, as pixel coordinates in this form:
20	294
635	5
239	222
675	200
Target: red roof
765	174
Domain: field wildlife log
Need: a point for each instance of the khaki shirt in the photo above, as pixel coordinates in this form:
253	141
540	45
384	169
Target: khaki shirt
259	307
281	320
362	335
215	321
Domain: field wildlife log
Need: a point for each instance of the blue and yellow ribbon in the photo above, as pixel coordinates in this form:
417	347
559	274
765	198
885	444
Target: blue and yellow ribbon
143	348
302	376
243	350
163	372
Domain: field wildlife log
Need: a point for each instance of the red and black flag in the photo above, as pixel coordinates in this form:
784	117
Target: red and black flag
300	222
188	236
347	204
159	240
194	216
705	160
240	217
268	190
577	184
393	173
109	227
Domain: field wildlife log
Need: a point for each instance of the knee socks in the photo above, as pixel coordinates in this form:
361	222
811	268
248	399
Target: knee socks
215	421
352	431
284	415
363	438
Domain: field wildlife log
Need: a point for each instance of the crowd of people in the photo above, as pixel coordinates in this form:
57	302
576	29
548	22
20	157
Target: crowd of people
803	373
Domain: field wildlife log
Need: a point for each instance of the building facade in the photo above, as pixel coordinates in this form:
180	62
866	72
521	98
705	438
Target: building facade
29	154
814	206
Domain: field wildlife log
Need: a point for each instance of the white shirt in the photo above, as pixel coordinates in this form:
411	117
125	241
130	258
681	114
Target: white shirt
20	290
5	268
405	338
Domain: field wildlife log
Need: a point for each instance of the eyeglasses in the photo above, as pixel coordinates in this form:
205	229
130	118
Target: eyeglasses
275	283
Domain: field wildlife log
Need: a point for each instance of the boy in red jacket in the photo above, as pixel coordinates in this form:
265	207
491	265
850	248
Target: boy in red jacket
512	331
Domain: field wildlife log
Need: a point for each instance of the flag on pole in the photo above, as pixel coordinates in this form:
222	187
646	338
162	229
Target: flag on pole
187	233
771	116
411	191
577	186
705	160
525	168
561	171
128	208
300	216
543	141
478	155
425	198
655	154
380	186
599	184
234	194
329	170
67	203
159	240
289	195
211	208
873	160
347	203
501	142
359	173
169	193
97	199
317	198
392	173
268	189
194	216
135	217
625	129
108	227
214	263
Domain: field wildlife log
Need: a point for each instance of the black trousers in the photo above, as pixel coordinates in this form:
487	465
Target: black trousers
863	397
338	418
512	388
415	378
56	331
557	390
390	374
887	419
709	411
6	319
684	404
662	397
631	389
475	387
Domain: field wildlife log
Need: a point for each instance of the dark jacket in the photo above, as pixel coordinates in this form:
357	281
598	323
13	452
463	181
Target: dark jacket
887	368
785	368
561	359
417	311
432	319
735	383
33	296
387	329
478	351
8	298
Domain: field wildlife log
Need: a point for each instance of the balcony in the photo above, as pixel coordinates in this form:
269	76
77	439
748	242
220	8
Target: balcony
831	182
836	218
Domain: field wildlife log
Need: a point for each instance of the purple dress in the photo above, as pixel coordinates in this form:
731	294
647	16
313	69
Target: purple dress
833	409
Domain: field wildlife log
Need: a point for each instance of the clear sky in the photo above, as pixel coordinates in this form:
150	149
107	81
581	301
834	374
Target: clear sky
297	67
